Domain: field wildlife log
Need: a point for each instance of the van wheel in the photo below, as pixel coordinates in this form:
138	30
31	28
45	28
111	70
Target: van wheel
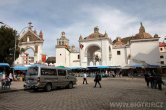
70	86
48	87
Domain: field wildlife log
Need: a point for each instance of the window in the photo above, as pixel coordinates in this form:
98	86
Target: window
59	42
32	71
161	56
78	56
61	72
162	62
161	49
50	72
118	52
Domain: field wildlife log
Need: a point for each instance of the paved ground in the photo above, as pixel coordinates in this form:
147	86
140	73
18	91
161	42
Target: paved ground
130	93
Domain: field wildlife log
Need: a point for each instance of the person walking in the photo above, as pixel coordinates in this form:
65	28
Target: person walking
97	79
85	78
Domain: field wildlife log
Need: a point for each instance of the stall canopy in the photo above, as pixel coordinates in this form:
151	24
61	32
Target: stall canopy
152	66
98	67
60	66
21	68
134	66
76	67
4	65
102	67
115	67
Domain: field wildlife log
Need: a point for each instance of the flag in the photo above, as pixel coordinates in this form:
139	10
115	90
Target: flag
43	58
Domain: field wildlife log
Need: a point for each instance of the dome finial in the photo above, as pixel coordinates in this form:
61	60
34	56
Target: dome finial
141	23
96	29
141	29
30	25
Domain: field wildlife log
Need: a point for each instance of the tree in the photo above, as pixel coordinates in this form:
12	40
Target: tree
50	60
7	45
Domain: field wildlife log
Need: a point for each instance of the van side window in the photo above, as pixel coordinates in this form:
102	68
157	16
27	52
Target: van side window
51	72
61	72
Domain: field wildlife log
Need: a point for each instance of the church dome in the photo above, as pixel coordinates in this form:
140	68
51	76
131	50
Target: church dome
63	36
96	34
118	41
142	34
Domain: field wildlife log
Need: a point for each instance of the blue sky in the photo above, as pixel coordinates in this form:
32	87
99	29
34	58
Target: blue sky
119	18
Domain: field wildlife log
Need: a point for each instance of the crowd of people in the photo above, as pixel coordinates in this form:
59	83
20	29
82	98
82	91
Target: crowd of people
153	80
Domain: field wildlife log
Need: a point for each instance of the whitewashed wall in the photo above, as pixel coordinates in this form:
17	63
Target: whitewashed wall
73	59
62	57
147	51
119	59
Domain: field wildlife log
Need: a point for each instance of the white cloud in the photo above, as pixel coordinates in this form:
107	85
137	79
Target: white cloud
115	21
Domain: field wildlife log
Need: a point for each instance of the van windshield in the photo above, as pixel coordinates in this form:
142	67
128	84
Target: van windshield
32	71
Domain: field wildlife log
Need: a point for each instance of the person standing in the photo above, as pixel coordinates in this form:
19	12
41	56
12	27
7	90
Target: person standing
11	77
159	82
97	79
147	78
85	78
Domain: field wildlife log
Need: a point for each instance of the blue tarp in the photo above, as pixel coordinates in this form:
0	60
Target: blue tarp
135	65
92	67
98	67
4	65
152	66
21	68
102	67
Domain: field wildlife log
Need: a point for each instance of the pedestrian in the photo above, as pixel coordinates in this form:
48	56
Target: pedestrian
147	78
11	77
151	80
85	78
97	79
159	82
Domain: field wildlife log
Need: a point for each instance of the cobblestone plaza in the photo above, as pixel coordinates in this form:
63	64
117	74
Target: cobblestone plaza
129	93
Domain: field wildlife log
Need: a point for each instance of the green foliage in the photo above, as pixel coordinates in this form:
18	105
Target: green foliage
22	50
7	44
50	60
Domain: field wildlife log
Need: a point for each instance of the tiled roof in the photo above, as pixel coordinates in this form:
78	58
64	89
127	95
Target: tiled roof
162	44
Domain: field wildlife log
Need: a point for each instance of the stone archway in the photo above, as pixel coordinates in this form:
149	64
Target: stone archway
93	53
30	39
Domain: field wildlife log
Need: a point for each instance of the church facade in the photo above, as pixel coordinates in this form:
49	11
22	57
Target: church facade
99	49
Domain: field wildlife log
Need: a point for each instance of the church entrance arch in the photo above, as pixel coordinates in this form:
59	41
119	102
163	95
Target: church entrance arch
93	53
30	39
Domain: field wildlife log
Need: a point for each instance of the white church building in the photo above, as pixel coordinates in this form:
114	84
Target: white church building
99	49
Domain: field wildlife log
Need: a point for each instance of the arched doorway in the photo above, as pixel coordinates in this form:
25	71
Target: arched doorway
31	54
94	55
